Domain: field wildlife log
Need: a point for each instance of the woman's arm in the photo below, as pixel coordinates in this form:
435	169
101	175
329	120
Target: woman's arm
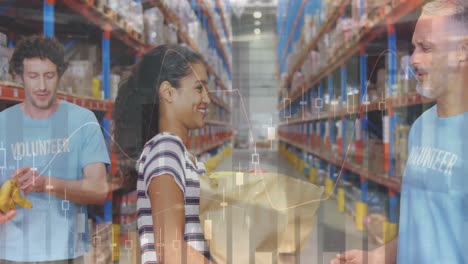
168	211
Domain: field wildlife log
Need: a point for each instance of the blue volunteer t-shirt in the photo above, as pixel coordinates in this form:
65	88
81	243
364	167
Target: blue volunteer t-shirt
434	196
59	146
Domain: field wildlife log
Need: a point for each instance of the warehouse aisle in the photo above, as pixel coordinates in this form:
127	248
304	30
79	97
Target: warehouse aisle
334	232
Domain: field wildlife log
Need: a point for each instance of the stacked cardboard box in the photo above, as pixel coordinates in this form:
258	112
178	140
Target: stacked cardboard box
373	154
78	79
401	149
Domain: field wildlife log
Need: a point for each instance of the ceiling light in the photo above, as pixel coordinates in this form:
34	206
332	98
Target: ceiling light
257	31
257	23
257	14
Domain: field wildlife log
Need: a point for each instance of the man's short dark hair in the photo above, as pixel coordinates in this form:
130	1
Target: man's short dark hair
38	46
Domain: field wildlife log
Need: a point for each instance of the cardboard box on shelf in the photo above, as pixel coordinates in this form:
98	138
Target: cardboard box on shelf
401	149
78	79
381	84
352	101
373	155
83	51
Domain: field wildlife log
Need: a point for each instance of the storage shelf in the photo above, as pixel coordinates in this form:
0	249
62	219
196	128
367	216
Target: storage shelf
392	183
210	147
351	48
393	102
211	24
223	18
15	93
104	22
217	123
291	34
218	101
332	18
93	15
101	20
172	18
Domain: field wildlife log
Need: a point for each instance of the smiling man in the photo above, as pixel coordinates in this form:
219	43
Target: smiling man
57	153
434	197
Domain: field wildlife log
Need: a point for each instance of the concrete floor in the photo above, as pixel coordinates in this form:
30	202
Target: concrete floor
334	231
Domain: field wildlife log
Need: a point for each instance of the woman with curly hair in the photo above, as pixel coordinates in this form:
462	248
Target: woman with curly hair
164	97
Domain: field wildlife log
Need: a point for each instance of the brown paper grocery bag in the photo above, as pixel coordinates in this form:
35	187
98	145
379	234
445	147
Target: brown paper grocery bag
251	218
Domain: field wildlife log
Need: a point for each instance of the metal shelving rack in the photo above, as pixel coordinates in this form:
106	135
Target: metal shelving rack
315	135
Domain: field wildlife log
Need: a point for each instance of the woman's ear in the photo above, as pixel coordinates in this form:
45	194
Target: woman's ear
166	92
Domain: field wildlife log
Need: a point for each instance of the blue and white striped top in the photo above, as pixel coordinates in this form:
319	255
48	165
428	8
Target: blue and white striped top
166	154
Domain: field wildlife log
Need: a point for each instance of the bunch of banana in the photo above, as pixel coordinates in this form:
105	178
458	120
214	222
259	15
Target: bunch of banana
10	196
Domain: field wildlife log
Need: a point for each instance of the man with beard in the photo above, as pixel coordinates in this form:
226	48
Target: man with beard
434	197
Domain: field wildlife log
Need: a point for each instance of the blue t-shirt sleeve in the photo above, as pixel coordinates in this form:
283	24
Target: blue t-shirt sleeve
93	148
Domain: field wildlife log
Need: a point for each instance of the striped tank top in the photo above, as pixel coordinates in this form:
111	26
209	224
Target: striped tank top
166	154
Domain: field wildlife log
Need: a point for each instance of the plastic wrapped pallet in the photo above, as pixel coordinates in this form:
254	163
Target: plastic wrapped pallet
154	26
170	34
114	86
248	214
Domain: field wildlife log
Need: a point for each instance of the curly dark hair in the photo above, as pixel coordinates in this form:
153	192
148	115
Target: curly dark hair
136	109
38	46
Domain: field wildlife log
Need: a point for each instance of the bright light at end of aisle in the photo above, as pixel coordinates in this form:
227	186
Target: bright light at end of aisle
271	133
257	14
257	31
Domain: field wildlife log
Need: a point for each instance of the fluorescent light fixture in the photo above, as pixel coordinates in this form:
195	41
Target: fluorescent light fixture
257	23
257	14
257	31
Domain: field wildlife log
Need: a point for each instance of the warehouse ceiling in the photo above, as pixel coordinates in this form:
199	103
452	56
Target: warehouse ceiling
245	25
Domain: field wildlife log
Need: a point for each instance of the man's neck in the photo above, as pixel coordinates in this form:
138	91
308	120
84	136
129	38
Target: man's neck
455	102
38	113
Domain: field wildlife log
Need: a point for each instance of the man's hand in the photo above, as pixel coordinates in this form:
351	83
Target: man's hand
30	180
358	257
7	217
